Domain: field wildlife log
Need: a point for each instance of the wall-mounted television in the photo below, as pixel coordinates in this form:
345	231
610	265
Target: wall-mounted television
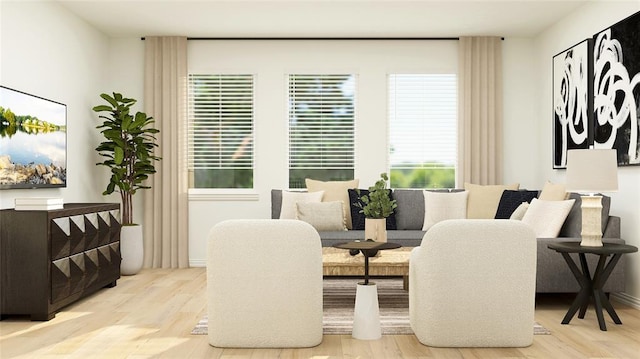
33	141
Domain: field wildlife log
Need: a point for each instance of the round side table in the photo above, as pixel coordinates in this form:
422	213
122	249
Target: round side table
591	287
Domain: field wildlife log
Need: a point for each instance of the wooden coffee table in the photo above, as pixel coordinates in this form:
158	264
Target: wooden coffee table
392	262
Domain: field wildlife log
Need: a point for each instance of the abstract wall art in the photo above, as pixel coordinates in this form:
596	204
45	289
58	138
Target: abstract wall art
572	105
616	101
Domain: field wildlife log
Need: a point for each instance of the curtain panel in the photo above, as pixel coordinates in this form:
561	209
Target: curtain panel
480	142
166	203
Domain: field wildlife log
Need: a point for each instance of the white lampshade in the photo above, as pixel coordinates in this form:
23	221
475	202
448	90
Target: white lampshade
592	171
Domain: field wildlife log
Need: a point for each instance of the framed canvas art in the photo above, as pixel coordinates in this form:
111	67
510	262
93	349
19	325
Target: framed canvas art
616	84
572	105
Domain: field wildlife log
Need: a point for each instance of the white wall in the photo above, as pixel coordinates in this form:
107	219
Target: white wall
270	62
585	22
49	52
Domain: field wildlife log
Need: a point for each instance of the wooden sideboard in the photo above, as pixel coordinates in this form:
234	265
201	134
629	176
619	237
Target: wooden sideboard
49	259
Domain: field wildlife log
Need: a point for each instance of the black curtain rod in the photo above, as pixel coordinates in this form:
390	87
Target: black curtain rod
322	38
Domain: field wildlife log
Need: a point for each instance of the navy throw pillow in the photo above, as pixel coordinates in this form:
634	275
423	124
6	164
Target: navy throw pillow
357	218
510	200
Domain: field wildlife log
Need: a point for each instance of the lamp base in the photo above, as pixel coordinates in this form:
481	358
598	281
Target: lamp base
591	221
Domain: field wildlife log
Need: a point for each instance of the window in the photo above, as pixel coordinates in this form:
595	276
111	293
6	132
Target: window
422	130
220	131
321	128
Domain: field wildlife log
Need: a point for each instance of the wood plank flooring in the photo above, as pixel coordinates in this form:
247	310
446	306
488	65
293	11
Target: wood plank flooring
150	315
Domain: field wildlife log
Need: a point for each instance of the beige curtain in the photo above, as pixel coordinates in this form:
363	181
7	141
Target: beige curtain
166	203
480	110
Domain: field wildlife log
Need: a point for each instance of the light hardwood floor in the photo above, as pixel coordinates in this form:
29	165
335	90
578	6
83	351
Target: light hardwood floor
150	315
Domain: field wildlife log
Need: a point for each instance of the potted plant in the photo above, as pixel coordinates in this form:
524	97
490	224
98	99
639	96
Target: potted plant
377	205
128	152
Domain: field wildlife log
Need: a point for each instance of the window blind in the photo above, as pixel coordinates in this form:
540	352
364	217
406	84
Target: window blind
220	127
321	126
422	125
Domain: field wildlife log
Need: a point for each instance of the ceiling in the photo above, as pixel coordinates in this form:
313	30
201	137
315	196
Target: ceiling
321	18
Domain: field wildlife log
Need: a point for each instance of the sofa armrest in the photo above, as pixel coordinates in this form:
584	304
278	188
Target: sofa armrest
613	228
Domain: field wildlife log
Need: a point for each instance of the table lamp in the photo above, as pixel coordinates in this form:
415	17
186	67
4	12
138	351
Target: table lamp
592	171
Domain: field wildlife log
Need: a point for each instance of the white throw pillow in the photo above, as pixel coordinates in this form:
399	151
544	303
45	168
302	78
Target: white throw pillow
547	217
289	200
440	206
519	212
323	216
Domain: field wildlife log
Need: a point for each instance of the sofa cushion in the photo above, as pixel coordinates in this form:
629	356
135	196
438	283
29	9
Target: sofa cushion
484	199
510	200
357	217
410	210
289	200
442	206
572	226
323	216
333	191
546	217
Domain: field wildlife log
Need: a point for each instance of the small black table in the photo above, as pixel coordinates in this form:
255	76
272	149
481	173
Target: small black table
366	311
368	249
591	287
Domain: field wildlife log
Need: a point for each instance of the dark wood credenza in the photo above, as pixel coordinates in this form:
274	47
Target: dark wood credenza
49	259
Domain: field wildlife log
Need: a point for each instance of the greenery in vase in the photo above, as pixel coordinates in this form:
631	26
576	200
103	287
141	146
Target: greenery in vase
377	203
128	149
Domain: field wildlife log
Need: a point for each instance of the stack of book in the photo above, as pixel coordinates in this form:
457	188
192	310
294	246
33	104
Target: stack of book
38	204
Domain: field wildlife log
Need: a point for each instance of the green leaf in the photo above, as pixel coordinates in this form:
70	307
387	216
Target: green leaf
118	155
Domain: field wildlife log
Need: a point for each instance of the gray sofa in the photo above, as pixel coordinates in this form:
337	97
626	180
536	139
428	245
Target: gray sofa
553	274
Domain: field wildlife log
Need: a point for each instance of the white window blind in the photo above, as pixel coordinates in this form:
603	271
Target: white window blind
321	127
422	130
221	130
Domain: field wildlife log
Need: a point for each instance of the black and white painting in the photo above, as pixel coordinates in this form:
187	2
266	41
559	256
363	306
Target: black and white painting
616	84
571	101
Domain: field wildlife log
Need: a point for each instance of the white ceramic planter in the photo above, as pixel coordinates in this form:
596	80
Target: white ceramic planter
376	229
131	249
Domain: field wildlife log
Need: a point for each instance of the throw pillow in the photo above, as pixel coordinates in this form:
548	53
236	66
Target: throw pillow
323	216
410	210
510	200
546	217
442	206
483	200
357	218
553	192
520	211
289	200
333	191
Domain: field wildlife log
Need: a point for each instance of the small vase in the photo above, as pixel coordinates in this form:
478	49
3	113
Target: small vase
376	229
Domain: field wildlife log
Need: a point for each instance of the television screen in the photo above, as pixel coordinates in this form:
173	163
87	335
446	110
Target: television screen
33	141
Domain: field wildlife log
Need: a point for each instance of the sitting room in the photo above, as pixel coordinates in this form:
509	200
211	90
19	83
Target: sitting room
319	179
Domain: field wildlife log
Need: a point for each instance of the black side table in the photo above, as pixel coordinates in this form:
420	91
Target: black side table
368	249
591	287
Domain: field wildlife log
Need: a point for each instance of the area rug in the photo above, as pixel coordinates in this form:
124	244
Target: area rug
339	298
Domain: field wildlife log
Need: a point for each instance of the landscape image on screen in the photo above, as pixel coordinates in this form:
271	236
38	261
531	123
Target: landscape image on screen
33	141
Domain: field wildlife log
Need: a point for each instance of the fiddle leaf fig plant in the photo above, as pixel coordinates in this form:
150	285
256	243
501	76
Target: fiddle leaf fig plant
128	149
377	204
